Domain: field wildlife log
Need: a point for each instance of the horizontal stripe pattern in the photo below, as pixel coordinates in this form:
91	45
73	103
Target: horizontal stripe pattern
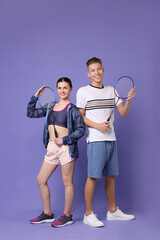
100	104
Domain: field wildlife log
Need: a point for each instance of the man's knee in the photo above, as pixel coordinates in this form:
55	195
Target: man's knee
92	179
110	178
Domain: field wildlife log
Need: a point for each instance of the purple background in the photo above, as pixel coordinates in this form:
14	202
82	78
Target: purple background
42	40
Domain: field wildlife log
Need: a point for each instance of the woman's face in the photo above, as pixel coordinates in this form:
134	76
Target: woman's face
64	90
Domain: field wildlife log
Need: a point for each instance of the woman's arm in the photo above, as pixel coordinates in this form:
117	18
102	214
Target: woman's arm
32	111
79	128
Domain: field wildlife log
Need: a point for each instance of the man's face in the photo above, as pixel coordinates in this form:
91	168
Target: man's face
95	72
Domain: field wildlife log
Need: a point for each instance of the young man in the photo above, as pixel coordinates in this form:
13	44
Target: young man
95	103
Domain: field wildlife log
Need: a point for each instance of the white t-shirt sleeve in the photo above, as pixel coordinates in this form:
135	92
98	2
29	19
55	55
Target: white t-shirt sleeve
117	100
81	101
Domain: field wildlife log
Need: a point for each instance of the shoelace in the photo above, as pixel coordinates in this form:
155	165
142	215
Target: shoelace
60	219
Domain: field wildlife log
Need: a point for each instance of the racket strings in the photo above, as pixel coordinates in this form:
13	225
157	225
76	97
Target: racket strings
121	90
123	86
47	97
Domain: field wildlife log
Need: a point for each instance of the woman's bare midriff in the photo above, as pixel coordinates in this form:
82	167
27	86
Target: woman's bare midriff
61	131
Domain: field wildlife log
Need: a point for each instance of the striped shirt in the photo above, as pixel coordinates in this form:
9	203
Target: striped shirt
98	104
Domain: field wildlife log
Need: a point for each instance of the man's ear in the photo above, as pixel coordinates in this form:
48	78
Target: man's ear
88	74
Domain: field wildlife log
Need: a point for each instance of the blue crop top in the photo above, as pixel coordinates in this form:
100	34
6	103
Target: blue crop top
58	117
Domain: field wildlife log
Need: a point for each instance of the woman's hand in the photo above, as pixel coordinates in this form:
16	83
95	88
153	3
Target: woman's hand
58	141
40	92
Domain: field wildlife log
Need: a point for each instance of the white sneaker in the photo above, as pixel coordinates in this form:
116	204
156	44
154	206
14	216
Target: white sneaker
92	220
119	215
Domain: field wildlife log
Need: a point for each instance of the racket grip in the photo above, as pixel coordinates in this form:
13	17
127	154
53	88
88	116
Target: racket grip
109	119
55	132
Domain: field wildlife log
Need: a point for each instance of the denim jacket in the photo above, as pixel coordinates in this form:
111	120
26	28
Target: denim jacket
75	125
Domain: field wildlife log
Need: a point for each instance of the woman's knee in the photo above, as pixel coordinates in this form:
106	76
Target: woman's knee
67	181
41	181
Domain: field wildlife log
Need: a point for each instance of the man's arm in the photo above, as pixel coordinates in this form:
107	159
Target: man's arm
102	127
124	109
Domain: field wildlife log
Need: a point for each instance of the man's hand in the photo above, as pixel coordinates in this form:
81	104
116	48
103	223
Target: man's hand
103	127
58	141
131	94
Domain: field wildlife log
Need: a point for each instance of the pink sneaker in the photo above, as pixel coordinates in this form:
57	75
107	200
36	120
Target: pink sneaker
43	218
62	221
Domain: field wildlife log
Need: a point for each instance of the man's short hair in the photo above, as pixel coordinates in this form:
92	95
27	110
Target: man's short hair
93	60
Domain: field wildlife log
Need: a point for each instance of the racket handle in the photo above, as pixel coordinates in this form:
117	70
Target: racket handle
110	115
113	110
109	118
55	132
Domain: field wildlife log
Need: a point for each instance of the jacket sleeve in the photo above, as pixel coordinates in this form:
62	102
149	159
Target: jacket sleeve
32	111
78	129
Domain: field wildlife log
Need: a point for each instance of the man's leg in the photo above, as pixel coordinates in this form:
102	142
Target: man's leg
96	155
89	192
110	193
113	212
90	218
110	171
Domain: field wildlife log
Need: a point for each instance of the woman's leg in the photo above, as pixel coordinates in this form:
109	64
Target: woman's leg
45	172
67	175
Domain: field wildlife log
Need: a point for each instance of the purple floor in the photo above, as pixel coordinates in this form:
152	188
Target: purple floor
19	228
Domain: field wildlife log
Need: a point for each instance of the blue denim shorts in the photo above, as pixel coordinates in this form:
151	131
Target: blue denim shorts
102	159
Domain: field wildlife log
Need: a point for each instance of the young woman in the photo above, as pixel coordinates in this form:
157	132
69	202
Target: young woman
62	150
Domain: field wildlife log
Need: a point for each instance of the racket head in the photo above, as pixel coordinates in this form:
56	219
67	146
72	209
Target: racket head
46	98
122	87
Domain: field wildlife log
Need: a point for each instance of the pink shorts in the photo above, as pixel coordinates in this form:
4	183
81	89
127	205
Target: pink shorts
57	154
